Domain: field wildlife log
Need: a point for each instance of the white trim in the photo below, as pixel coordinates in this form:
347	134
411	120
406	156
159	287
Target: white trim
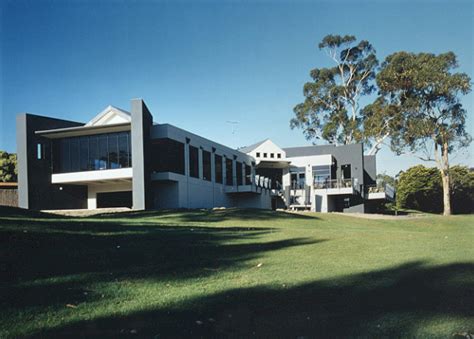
91	176
109	116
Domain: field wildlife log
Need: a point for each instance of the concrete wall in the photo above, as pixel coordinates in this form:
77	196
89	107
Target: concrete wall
172	190
140	133
35	190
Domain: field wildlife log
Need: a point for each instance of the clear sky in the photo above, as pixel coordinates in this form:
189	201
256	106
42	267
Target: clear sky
199	64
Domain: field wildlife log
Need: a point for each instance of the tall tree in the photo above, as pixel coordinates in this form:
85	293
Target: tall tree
331	109
8	167
426	95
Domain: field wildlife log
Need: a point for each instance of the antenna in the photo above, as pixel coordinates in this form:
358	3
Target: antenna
234	124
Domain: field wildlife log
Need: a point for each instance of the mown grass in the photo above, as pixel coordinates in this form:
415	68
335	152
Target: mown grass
234	273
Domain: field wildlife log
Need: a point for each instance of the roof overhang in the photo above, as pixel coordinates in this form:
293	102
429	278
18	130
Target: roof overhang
83	130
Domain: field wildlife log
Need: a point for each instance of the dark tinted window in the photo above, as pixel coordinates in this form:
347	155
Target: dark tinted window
193	162
218	168
123	150
167	156
206	165
229	178
94	152
238	166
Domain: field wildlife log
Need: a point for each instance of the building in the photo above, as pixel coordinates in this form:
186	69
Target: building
122	158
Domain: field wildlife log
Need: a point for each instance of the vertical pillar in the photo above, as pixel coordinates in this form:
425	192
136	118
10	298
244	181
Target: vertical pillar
200	164
140	132
22	161
91	198
224	170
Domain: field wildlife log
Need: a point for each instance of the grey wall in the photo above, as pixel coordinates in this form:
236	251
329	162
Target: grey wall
347	154
140	134
35	190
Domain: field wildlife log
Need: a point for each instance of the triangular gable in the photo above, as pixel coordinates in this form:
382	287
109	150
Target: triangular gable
109	116
266	146
248	149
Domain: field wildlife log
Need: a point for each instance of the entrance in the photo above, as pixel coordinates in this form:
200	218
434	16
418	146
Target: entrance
114	199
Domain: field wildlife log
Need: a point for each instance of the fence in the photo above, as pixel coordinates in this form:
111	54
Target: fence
8	194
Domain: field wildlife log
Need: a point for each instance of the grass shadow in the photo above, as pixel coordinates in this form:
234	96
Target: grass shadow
397	302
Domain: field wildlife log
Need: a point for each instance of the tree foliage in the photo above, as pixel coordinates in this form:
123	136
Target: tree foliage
420	188
424	93
330	110
8	167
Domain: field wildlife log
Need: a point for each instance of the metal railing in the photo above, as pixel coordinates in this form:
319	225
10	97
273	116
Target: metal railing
335	183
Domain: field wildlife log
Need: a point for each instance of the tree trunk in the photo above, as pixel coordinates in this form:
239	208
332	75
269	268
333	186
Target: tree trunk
446	193
446	182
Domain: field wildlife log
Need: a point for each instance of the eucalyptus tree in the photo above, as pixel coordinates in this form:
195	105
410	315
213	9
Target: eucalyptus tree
330	110
423	92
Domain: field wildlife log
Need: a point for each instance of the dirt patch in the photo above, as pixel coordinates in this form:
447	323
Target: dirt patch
86	213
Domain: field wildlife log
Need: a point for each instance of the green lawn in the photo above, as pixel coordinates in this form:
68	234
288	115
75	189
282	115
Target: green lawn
235	273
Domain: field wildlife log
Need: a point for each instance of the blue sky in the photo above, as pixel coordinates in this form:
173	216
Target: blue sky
200	64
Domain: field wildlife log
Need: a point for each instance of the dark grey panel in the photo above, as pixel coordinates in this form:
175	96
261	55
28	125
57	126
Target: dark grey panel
34	180
141	164
370	169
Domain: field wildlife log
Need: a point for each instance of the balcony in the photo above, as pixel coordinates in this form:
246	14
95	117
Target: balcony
334	187
381	192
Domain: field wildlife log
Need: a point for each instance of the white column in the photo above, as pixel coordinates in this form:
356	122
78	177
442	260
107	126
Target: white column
91	198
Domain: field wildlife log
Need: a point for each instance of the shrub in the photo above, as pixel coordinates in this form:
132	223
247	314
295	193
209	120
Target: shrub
420	188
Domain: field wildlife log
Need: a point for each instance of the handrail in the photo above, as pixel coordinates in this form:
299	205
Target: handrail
335	183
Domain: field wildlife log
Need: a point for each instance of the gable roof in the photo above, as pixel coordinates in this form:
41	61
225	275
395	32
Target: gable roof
252	147
102	119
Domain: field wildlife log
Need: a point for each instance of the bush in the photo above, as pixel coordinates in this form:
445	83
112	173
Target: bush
462	189
420	188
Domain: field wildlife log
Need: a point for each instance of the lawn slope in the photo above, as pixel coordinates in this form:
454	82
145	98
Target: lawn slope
234	273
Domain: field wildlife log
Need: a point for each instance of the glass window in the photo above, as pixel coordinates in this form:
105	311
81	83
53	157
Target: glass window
103	152
218	168
297	177
74	154
93	153
90	153
123	150
229	178
279	155
272	155
84	156
264	155
39	151
346	171
322	176
193	161
238	166
167	156
64	158
112	140
206	165
258	154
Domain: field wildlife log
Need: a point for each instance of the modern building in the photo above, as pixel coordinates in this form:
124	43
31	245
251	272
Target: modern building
122	158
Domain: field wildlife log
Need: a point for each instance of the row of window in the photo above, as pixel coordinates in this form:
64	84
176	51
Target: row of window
168	156
92	152
272	155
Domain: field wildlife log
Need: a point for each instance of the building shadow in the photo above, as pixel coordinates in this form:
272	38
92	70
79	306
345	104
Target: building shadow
47	262
393	302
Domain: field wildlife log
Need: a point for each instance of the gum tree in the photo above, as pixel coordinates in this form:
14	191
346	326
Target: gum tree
331	109
423	92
